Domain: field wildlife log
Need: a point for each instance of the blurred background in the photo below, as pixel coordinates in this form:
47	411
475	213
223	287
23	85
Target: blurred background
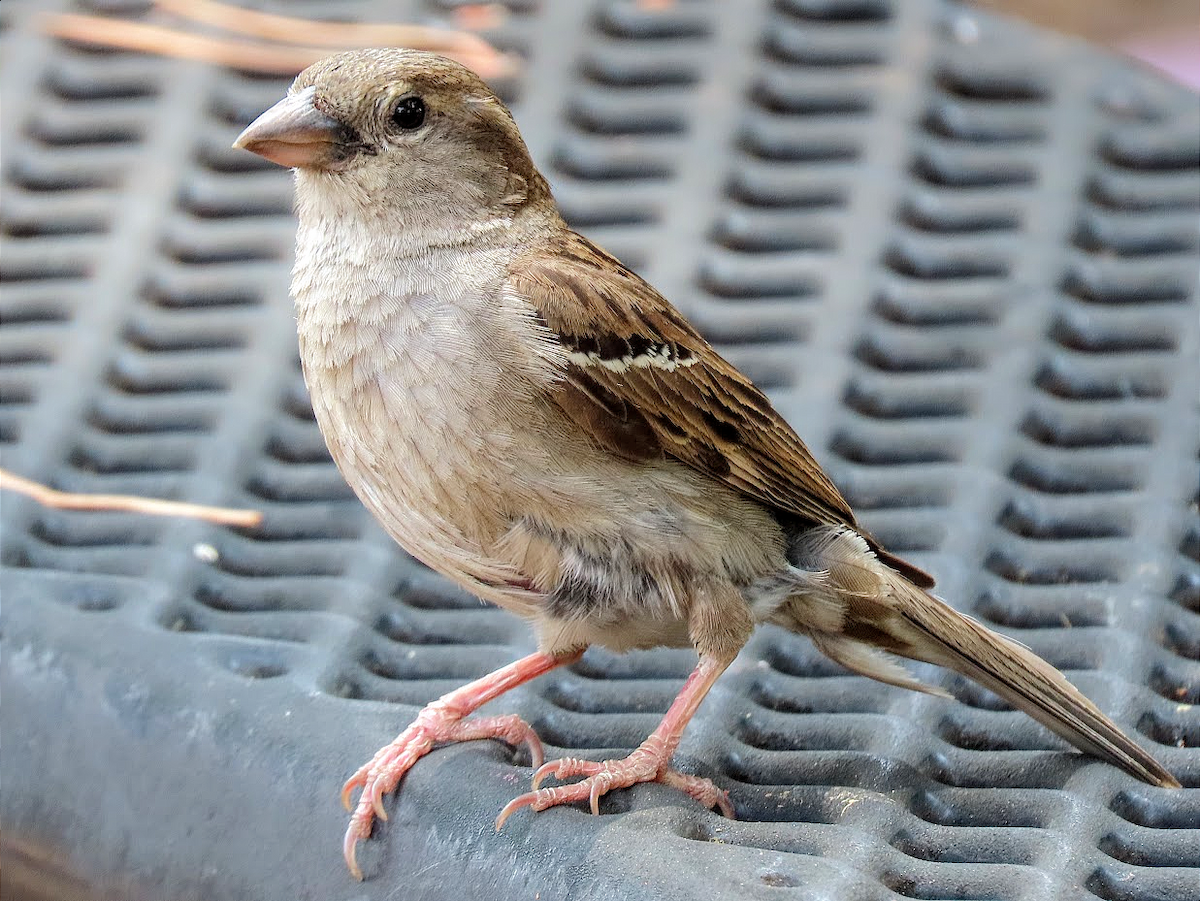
958	251
1163	33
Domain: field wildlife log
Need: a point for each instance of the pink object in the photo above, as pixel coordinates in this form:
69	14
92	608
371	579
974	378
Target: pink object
648	763
445	720
442	721
1177	56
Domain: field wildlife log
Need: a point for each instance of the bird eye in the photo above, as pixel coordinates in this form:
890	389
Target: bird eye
409	113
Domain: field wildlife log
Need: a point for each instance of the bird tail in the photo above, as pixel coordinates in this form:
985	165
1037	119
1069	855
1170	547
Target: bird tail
879	610
939	634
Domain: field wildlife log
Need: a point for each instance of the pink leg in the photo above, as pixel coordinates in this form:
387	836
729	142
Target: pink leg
648	763
442	721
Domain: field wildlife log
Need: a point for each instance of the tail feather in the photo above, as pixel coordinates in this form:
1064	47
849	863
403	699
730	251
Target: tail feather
867	607
871	662
947	638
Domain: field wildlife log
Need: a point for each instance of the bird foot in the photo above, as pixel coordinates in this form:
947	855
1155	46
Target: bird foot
647	764
437	723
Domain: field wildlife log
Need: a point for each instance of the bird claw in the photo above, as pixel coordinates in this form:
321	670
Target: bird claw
600	778
700	789
565	768
383	772
350	851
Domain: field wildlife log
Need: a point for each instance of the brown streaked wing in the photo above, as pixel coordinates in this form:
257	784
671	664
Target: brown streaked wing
698	407
690	404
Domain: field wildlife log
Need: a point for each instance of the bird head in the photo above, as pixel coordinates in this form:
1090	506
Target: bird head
397	129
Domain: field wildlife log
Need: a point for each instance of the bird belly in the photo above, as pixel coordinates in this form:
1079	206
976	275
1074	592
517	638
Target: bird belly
624	561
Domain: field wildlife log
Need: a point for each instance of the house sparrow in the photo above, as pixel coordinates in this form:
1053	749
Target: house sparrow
531	419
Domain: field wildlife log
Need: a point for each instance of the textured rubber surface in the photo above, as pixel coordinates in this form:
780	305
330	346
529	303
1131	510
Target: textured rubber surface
961	256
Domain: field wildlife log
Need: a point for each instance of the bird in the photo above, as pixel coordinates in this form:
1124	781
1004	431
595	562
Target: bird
530	418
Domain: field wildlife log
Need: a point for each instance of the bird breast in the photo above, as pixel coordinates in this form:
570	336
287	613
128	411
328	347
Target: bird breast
432	387
417	382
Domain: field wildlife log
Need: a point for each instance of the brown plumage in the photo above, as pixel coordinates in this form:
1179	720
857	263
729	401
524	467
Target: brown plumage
710	417
535	421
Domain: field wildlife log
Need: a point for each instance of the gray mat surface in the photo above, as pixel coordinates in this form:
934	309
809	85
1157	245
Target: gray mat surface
960	255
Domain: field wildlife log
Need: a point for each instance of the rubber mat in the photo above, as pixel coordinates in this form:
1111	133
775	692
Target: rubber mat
960	255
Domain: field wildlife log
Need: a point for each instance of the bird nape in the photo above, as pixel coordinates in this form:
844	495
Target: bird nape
534	421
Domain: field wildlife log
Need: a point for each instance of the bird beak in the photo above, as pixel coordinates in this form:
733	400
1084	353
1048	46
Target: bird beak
296	134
